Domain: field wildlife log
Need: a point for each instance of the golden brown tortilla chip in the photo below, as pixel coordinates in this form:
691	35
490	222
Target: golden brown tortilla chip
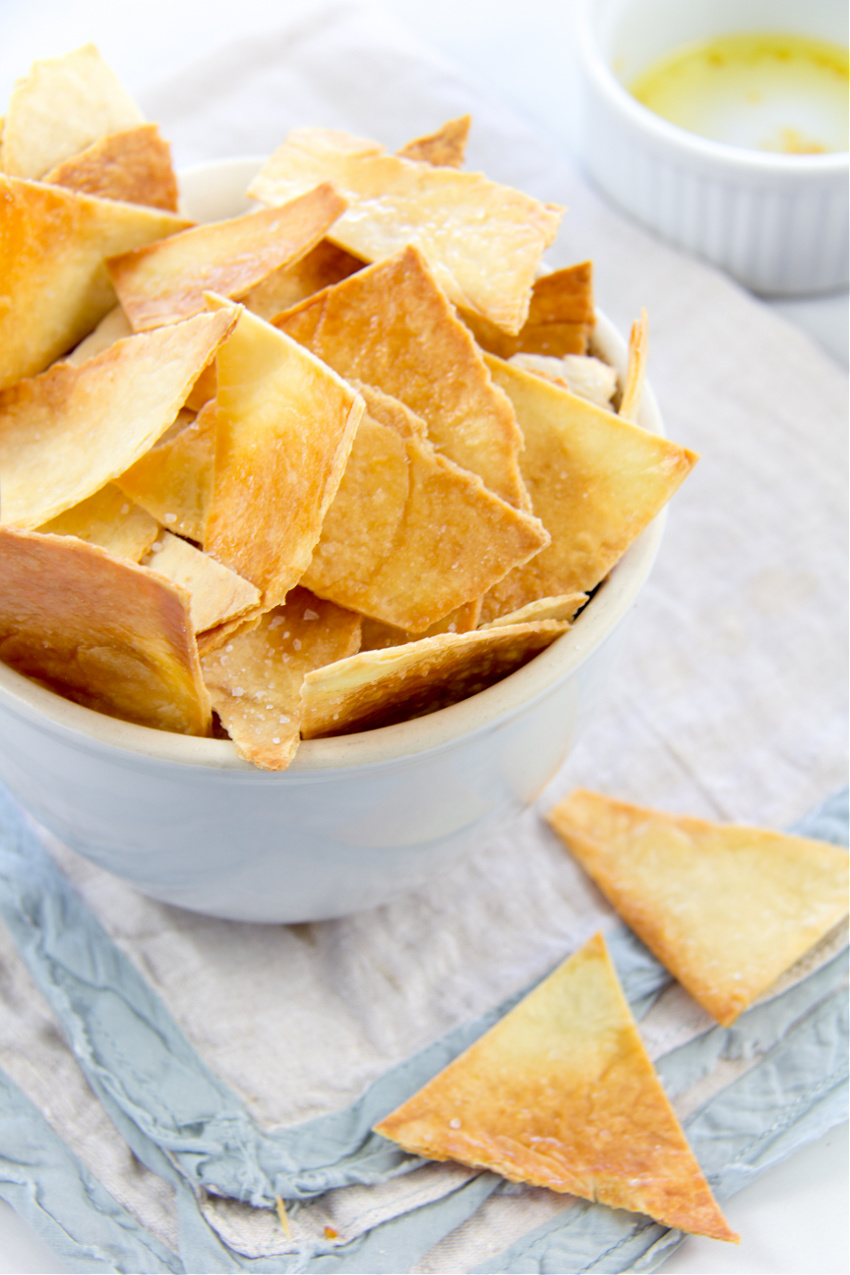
636	369
113	327
54	287
166	281
216	594
133	165
67	432
560	608
561	317
595	482
394	202
255	680
376	636
321	267
110	520
409	535
61	106
445	148
727	909
379	688
285	423
561	1093
101	631
391	326
173	480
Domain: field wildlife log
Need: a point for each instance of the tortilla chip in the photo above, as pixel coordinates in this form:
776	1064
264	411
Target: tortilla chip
583	374
113	327
285	424
166	281
54	287
322	266
560	608
377	636
561	317
445	148
391	326
173	480
410	536
216	594
255	681
595	481
60	107
561	1093
110	520
379	688
727	909
133	165
394	202
636	369
67	432
101	631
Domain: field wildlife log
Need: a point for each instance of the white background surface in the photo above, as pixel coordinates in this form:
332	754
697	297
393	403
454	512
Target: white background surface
794	1219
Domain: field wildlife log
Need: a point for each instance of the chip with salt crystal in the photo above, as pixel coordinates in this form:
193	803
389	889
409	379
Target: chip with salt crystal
595	479
394	201
727	909
101	631
133	164
445	148
409	535
379	688
255	679
285	423
55	287
561	1093
67	432
60	107
216	593
165	281
391	326
110	520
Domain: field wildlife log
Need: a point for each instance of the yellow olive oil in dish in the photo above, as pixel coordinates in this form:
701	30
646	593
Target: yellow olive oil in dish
767	91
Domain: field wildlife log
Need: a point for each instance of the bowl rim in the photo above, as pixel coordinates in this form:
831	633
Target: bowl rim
685	143
92	731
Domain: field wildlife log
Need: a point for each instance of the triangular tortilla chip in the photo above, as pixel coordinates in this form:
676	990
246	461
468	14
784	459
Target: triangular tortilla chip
726	908
284	427
322	266
166	281
67	432
560	608
409	535
113	327
133	165
54	287
561	317
100	631
445	148
379	688
216	594
61	106
391	326
561	1093
377	636
595	482
173	480
255	680
393	202
110	520
636	369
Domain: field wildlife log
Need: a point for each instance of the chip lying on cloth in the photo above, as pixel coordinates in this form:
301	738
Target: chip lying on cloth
727	909
101	631
561	1094
395	201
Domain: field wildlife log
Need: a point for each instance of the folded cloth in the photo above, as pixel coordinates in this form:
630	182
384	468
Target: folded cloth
211	1047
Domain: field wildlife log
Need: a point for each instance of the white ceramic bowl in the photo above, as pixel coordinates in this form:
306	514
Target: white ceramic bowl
776	222
356	819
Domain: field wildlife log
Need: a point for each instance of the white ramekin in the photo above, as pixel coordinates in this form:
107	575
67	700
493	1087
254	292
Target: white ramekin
356	819
778	223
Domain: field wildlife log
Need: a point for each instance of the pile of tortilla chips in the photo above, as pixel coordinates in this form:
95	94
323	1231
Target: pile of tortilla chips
337	462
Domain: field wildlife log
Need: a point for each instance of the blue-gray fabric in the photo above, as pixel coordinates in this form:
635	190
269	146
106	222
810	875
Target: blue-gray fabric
189	1127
